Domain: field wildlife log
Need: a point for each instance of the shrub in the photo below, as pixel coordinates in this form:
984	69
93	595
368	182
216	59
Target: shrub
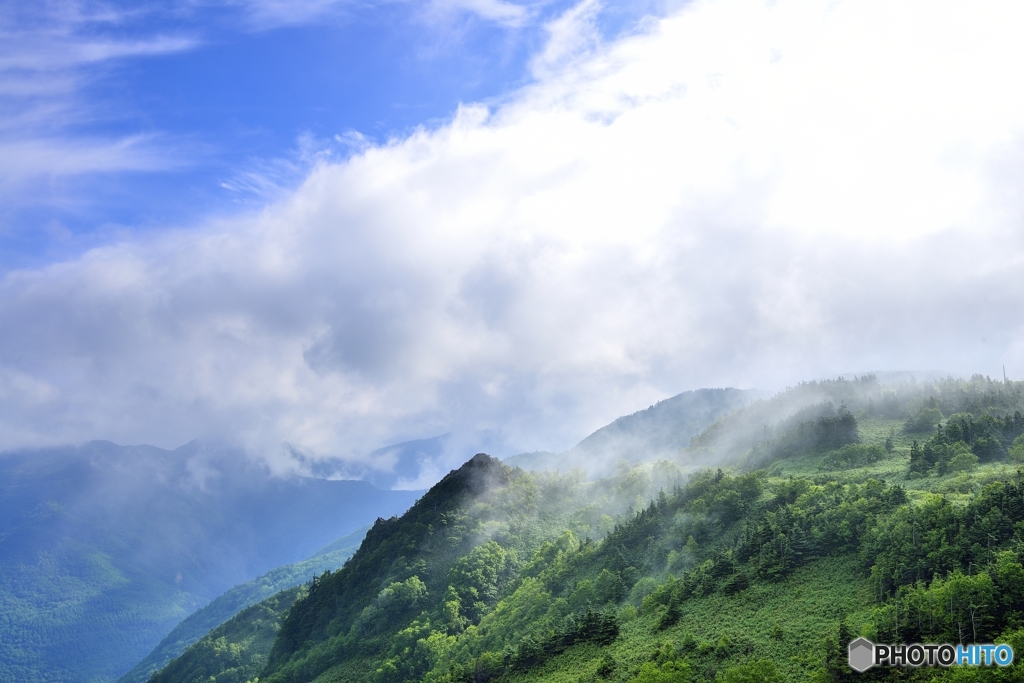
1017	449
964	461
924	420
853	455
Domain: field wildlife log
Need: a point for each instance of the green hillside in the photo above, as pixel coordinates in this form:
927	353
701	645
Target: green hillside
236	651
839	508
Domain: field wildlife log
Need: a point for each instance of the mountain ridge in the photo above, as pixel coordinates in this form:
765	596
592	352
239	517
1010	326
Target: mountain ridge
659	431
832	519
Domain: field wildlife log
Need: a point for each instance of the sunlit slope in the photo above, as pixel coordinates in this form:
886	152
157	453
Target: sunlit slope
105	548
841	508
785	621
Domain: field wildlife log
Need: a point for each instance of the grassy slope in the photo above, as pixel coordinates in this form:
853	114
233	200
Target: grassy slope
782	621
717	631
957	487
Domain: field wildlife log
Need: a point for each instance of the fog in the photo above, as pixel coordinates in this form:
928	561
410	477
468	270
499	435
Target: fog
660	432
738	194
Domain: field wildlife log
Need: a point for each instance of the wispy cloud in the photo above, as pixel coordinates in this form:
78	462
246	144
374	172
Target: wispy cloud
741	194
571	36
53	54
48	52
511	14
266	14
263	181
57	156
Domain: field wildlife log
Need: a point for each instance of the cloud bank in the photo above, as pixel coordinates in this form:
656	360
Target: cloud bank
740	193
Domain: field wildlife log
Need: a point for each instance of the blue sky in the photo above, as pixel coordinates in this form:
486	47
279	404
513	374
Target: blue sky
324	227
197	99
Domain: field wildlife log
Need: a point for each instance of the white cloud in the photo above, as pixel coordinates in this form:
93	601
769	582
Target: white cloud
56	156
742	194
268	14
571	35
52	52
511	14
47	53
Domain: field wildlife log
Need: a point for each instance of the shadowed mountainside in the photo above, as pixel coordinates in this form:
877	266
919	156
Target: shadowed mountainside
105	548
239	598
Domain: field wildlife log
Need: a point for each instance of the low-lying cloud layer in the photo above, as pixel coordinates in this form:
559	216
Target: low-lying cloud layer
742	194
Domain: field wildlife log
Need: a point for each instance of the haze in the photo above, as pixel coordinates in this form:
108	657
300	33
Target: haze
520	220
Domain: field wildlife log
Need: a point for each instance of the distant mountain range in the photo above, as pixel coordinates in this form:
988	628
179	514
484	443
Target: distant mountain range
105	548
240	597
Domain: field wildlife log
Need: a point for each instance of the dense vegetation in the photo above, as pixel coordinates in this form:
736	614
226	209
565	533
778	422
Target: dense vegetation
821	524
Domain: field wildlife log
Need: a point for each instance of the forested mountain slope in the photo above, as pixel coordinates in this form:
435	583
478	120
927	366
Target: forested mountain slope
849	507
236	651
105	548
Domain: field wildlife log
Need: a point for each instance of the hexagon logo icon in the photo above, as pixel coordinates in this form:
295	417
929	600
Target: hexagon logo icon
861	655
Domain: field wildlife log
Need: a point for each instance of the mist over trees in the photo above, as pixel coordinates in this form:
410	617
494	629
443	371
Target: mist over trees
659	431
501	574
815	524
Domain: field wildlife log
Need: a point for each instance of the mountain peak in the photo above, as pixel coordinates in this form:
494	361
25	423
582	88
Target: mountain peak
482	460
476	475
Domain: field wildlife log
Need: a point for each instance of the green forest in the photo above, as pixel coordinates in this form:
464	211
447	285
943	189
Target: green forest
784	530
